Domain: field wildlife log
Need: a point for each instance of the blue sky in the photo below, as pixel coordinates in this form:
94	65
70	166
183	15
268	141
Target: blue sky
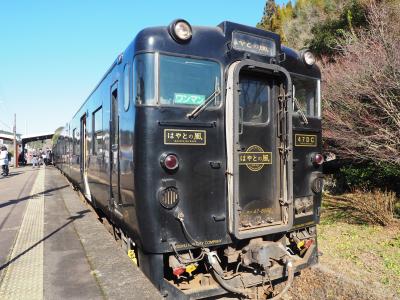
53	53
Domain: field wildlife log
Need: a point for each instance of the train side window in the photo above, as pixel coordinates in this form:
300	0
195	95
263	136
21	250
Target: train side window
306	91
97	131
143	79
126	86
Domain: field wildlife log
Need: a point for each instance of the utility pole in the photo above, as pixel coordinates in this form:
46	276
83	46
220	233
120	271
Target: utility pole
15	142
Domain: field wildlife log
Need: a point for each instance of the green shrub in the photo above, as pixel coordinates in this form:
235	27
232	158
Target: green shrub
328	35
370	176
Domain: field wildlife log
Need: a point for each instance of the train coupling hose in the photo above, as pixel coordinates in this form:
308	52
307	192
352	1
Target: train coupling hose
213	261
290	271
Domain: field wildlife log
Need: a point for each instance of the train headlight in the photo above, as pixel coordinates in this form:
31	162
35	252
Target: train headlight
168	197
308	58
317	185
180	30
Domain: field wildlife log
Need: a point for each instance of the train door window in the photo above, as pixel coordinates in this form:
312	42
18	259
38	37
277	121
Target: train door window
306	91
144	79
76	142
97	131
254	99
73	142
114	111
126	86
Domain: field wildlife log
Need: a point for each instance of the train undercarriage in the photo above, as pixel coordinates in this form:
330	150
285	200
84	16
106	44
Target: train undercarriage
247	269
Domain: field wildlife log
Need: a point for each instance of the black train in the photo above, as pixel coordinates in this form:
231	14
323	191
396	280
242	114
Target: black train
194	147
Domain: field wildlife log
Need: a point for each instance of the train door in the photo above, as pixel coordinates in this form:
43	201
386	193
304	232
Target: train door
114	149
258	146
84	157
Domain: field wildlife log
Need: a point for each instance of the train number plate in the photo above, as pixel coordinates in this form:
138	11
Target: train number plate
185	137
305	140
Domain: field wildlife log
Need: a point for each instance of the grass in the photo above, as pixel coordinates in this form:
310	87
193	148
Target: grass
360	250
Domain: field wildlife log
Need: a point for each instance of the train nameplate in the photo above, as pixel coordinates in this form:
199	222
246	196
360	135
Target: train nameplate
199	244
185	137
305	140
255	158
254	44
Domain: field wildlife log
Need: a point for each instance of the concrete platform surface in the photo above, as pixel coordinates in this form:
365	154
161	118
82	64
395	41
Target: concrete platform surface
53	247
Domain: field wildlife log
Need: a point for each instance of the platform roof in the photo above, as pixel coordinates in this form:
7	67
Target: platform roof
26	138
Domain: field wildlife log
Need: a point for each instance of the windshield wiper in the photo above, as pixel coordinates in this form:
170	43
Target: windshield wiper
199	109
299	108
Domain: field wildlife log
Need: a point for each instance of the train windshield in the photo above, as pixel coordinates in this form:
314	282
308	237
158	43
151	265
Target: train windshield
306	91
187	81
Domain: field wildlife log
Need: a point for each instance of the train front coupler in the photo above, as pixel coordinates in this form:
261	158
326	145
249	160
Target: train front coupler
259	257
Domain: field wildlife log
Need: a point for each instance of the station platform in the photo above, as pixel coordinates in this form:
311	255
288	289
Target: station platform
52	245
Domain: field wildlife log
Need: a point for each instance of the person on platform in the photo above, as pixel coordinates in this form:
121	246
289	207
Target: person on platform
34	160
22	159
4	160
44	160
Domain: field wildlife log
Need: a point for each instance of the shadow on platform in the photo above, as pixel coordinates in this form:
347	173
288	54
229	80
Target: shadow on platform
46	193
71	219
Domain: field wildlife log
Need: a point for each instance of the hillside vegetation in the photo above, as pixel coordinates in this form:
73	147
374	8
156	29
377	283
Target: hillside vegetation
317	24
357	43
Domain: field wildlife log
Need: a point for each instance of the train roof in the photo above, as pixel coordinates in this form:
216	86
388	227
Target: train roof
215	43
212	42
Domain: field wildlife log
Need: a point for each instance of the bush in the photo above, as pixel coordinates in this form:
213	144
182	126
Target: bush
397	209
377	207
361	99
370	176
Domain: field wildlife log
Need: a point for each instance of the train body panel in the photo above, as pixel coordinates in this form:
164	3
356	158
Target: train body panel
200	145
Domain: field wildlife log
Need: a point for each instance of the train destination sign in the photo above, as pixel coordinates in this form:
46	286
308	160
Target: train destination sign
253	44
185	137
305	140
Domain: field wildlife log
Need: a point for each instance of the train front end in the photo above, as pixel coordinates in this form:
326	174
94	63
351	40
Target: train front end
227	160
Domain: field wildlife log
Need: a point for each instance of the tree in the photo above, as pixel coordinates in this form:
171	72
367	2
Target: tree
295	23
269	13
56	135
327	36
362	90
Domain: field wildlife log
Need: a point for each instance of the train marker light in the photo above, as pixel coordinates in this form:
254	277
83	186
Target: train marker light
180	30
318	159
308	58
169	162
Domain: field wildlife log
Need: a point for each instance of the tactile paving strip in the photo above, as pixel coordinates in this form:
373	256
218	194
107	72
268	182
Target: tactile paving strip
23	277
